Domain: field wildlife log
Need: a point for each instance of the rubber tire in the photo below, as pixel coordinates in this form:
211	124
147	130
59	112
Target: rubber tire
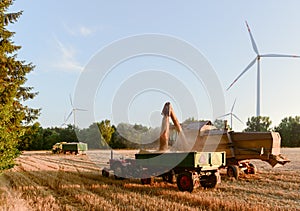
105	172
233	171
253	169
169	177
209	181
185	182
146	179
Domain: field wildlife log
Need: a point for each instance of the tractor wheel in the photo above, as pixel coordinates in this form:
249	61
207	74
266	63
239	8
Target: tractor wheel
185	182
233	171
209	181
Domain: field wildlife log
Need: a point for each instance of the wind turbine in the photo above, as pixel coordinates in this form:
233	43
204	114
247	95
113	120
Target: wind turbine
73	111
257	59
232	115
63	124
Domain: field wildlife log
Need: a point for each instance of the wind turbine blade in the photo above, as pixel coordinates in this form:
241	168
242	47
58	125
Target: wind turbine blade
65	117
71	100
237	118
223	115
280	55
233	105
69	116
80	109
252	40
245	70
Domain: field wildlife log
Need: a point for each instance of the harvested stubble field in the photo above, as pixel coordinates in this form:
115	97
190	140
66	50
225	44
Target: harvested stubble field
42	181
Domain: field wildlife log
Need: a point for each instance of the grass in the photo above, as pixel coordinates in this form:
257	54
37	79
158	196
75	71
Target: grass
42	181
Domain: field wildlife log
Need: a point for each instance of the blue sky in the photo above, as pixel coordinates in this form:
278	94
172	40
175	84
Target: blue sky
61	37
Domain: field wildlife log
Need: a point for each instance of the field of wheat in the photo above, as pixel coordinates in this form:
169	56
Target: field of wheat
43	181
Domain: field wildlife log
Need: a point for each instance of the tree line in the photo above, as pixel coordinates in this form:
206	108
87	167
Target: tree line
101	135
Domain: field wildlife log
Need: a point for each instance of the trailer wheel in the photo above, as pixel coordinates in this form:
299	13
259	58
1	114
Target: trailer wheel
209	181
253	168
185	182
146	179
233	171
118	171
105	172
169	177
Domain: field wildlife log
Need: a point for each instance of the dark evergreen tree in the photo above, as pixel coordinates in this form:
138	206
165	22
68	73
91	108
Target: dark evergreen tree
14	115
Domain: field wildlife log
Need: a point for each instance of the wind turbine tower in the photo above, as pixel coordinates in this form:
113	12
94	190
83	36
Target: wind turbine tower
73	111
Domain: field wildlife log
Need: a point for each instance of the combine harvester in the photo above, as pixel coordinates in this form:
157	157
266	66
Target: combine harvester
240	147
197	155
190	169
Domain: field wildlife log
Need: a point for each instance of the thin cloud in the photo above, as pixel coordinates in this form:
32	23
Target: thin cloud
67	60
83	31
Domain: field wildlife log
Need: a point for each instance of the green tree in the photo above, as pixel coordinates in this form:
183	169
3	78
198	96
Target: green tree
49	138
289	129
32	133
14	115
190	120
220	124
67	134
91	136
117	141
36	139
258	124
97	135
106	130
